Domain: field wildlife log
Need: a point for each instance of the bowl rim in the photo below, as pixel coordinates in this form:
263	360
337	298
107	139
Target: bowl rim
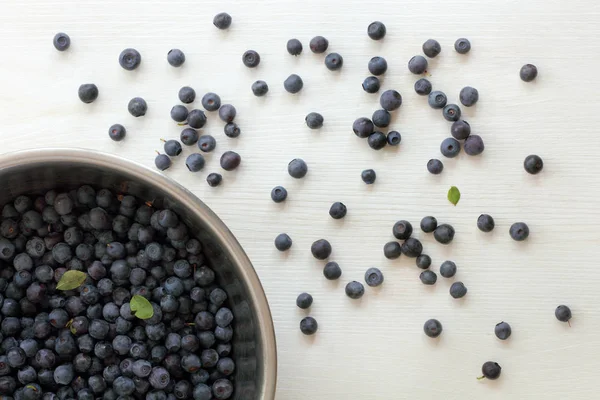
189	200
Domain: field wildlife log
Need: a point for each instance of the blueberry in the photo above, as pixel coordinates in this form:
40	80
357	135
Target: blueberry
334	61
227	113
368	176
223	388
201	392
88	92
448	269
432	328
175	57
474	145
321	249
381	118
485	223
189	136
431	48
423	87
563	313
371	84
27	375
207	143
212	102
451	112
444	233
293	84
373	277
222	20
162	162
64	374
226	366
460	130
490	370
363	127
402	230
297	168
377	140
304	301
251	59
332	271
194	162
393	138
196	119
130	59
377	66
437	99
450	147
412	248
308	326
117	132
314	120
209	358
61	41
533	164
260	88
137	107
230	160
462	46
187	95
468	96
528	72
278	194
294	47
417	65
428	277
123	386
392	250
519	231
213	179
376	30
423	261
283	242
458	290
318	44
390	100
179	113
355	290
502	330
428	224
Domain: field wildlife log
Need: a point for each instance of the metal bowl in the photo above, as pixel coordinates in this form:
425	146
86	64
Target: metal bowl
35	171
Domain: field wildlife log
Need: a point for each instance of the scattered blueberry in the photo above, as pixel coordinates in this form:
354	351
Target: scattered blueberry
172	148
458	290
377	140
381	118
485	223
423	261
278	194
376	30
502	330
450	147
417	65
412	248
222	20
337	210
88	92
195	162
304	301
187	95
332	271
283	242
334	61
462	46
314	120
428	224
363	127
432	328
392	250
448	269
117	132
460	130
468	96
212	102
490	370
130	59
355	290
318	44
230	160
377	66
175	57
260	88
294	47
528	72
368	176
179	113
437	99
297	168
474	145
320	249
451	112
213	179
519	231
251	59
162	162
232	130
431	48
435	166
293	84
61	41
371	84
533	164
390	100
137	107
563	313
196	119
189	136
444	233
308	326
423	87
373	277
402	230
207	143
393	138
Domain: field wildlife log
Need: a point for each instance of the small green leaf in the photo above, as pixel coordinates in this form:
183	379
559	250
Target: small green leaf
141	307
71	280
453	195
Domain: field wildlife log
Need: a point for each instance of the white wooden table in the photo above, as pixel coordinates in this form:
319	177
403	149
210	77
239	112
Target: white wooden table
373	348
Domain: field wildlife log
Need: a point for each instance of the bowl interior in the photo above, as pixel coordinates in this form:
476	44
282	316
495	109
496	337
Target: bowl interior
253	341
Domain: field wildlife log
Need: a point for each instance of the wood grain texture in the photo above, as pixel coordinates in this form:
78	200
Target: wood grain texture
373	348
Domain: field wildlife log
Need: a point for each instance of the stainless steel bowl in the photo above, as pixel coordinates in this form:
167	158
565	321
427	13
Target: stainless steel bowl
35	171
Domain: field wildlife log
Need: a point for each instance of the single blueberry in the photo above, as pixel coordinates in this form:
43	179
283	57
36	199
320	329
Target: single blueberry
214	179
377	140
428	224
195	162
491	370
381	118
294	47
417	65
392	250
423	261
196	119
519	231
435	166
293	84
533	164
283	242
175	57
458	290
468	96
563	313
189	136
187	95
377	66
394	138
308	326
502	330
431	48
179	113
88	92
402	230
212	102
230	160
222	20
117	132
260	88
314	120
334	61
297	168
355	290
448	269
368	176
462	46
318	44
437	99
321	249
162	162
432	328
460	130
227	113
172	147
412	248
137	107
450	147
130	59
390	100
278	194
304	300
423	87
332	271
251	59
444	233
61	41
428	277
376	30
232	130
373	277
451	112
207	143
528	72
474	145
363	127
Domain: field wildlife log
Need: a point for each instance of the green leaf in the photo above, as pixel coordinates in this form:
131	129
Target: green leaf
71	280
141	307
453	195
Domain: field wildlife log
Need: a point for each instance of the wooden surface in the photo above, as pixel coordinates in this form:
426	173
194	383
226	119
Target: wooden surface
373	348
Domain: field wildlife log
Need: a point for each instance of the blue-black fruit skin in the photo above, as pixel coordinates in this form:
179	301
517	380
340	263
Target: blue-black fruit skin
519	231
392	250
428	277
61	41
412	248
451	112
334	61
211	102
469	96
338	210
435	166
332	271
432	328
377	66
394	138
491	370
297	168
402	230
458	290
431	48
528	72
308	326
207	143
563	313
321	249
260	88
444	233
390	100
130	59
533	164
227	113
428	224
230	160
450	147
368	176
294	47
376	30
423	87
88	92
437	99
314	120
381	118
279	194
355	290
304	301
214	179
187	95
474	145
283	242
373	277
251	59
448	269
460	130
502	330
318	45
371	84
137	107
175	57
293	84
423	261
417	65
462	46
222	20
377	140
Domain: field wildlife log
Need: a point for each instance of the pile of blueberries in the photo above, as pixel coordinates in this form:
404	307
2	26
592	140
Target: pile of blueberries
88	342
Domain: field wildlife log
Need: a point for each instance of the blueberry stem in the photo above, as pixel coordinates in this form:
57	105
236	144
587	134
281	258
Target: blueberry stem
480	377
569	322
182	123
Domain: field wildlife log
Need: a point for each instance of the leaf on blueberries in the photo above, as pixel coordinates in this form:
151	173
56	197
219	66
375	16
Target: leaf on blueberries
141	307
453	195
71	280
